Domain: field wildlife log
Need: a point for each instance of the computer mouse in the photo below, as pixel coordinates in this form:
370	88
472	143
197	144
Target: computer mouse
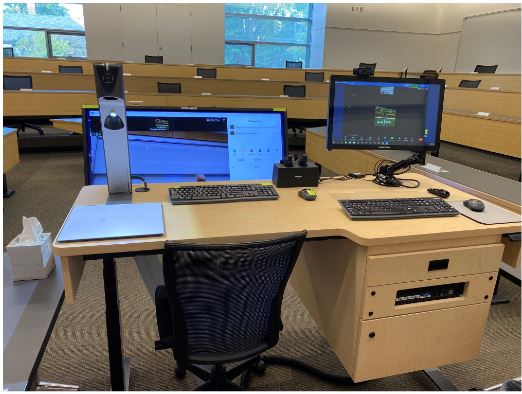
307	194
474	205
442	193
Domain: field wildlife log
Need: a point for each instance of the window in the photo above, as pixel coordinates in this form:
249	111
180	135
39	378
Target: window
267	35
44	30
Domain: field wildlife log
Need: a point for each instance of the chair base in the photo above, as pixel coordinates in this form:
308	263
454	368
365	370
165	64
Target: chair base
24	126
219	379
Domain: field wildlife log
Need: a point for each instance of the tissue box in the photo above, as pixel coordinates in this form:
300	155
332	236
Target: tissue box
34	261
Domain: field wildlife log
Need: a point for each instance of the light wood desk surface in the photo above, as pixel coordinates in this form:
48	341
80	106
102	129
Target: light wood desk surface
323	218
11	156
348	285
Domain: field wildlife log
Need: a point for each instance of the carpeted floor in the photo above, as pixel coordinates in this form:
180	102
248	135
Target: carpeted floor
46	185
77	353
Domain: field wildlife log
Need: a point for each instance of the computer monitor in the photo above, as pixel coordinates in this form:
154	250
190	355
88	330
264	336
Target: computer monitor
177	145
385	113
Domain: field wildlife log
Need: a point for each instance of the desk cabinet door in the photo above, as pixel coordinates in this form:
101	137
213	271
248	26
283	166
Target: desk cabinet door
417	341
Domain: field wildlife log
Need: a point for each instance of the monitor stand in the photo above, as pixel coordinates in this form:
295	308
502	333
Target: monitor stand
386	173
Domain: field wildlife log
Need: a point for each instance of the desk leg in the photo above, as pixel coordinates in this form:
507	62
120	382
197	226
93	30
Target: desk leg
119	365
7	192
498	298
439	380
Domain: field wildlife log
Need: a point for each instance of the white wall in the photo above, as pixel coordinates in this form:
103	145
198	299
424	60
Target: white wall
419	36
491	38
182	33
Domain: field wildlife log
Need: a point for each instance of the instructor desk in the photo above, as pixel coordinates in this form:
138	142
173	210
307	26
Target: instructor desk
347	276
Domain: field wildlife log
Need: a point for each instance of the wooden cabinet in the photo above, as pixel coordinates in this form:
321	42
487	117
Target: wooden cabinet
417	341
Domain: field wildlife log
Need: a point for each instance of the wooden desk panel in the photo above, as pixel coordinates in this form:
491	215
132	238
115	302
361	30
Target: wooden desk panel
475	100
14	64
75	127
46	104
148	84
33	103
11	156
482	133
509	82
296	108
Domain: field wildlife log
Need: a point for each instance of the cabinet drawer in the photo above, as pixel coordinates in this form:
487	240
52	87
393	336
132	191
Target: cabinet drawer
395	345
432	264
380	301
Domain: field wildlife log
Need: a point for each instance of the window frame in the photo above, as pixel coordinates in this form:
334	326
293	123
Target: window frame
253	44
48	33
252	52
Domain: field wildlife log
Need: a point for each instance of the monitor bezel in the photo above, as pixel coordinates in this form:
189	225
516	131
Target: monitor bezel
414	148
87	148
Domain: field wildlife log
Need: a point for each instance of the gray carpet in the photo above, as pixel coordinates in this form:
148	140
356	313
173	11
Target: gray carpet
77	353
46	185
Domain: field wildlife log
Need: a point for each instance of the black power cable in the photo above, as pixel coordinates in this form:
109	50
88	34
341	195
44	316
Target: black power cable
289	362
145	187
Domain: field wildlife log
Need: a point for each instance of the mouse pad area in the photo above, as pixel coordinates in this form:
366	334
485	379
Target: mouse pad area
492	214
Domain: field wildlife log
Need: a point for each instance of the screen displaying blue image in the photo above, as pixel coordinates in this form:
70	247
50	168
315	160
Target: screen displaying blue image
167	145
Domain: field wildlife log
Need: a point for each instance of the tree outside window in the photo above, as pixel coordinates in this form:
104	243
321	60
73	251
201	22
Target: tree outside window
267	35
44	29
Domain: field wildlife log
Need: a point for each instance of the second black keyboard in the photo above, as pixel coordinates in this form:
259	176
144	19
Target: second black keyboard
222	193
397	208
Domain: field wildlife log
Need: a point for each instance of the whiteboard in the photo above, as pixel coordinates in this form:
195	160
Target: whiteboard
488	39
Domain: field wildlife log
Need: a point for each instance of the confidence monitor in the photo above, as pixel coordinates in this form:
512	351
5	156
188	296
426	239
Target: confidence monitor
385	113
178	145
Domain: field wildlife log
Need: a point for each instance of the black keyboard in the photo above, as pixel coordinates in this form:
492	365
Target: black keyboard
398	208
222	193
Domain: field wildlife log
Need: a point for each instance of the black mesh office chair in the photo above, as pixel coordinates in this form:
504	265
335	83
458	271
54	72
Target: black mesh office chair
70	69
371	66
18	82
153	59
486	69
8	52
314	76
164	87
206	72
291	64
294	90
222	304
465	83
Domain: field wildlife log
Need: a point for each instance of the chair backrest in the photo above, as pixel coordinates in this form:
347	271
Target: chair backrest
17	82
206	72
465	83
429	74
371	66
486	69
294	90
314	76
153	59
70	69
226	299
8	52
164	87
292	64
